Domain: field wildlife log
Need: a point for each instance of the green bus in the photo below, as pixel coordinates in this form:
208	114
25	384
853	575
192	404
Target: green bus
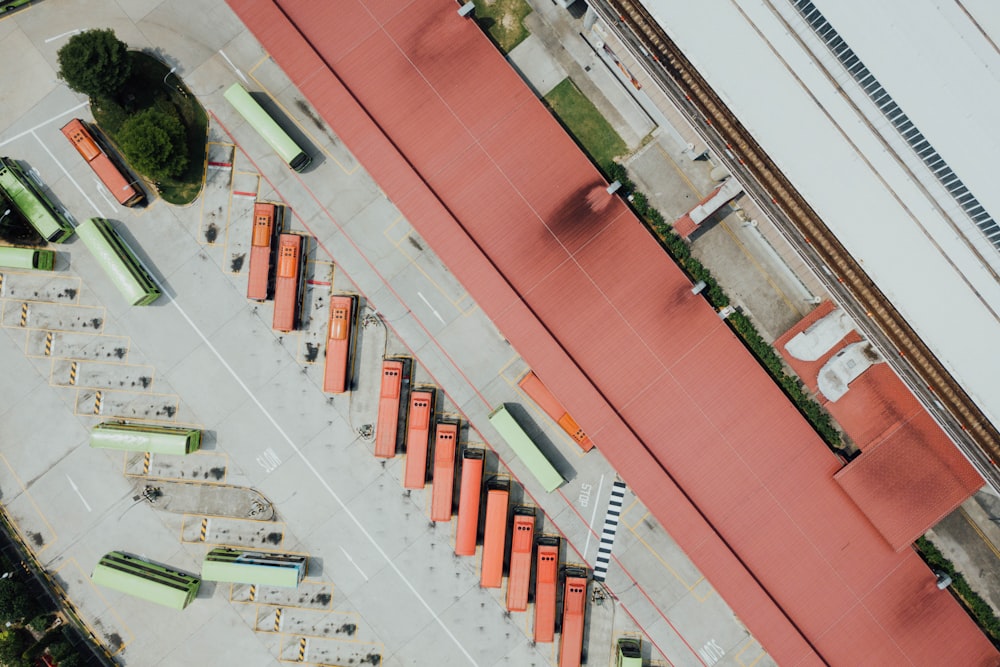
142	579
118	261
34	205
266	127
145	438
628	652
526	449
27	258
7	5
253	567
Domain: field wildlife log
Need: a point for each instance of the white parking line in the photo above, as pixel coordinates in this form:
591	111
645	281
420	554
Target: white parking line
333	494
436	314
65	34
235	68
43	123
71	179
353	563
75	488
590	528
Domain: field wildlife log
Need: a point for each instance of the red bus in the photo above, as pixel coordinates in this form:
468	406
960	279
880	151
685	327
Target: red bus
288	277
522	540
266	227
418	430
468	502
445	441
339	339
574	612
546	579
121	187
388	409
549	404
495	532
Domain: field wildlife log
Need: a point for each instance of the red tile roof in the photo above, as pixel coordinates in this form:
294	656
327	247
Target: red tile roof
688	418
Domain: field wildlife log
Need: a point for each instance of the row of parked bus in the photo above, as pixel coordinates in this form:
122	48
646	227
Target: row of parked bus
503	525
144	579
20	192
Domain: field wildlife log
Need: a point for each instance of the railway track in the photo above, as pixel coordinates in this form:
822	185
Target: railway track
843	276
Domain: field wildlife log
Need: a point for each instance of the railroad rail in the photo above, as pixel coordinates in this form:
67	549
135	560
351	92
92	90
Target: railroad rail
940	393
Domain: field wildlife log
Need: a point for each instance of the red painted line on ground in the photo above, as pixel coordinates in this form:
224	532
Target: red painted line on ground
244	194
318	282
219	164
475	389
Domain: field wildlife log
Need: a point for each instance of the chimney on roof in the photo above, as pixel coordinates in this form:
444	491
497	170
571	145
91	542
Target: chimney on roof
943	579
467	8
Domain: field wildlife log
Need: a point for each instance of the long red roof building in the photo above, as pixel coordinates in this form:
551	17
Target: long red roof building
688	418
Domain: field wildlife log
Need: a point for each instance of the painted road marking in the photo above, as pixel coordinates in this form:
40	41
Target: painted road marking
436	314
584	500
235	68
354	564
77	489
269	460
610	529
65	34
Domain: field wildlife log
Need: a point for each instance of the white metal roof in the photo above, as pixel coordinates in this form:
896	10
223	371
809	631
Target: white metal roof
942	67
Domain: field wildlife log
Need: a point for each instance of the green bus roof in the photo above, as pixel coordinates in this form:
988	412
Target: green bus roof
526	449
248	567
118	261
51	223
266	127
25	258
146	581
145	438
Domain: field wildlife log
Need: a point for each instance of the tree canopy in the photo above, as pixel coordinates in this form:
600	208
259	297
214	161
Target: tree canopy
15	602
154	143
95	63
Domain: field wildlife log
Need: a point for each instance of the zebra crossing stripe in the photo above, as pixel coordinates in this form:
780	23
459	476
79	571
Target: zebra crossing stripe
610	528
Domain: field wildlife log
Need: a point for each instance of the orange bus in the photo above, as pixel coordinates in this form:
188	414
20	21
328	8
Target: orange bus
339	344
549	404
266	227
468	502
388	409
546	579
522	540
495	532
288	277
445	441
574	611
118	184
418	430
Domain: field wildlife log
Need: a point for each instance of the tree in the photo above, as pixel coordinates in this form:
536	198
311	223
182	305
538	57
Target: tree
15	602
154	143
13	643
95	63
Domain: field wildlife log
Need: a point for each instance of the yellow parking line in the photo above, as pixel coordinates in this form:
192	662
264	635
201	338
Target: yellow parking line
680	172
979	532
31	500
761	270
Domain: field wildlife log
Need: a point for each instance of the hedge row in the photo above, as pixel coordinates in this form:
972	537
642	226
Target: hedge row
977	607
741	324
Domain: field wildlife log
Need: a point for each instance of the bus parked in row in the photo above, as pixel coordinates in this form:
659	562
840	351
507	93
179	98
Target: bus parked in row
339	344
27	258
526	449
549	404
522	542
27	197
443	482
469	492
145	580
288	282
118	261
120	184
145	438
495	532
546	580
266	127
418	429
574	615
387	423
267	223
253	567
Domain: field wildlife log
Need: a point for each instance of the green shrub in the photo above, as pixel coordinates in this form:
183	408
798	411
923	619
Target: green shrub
155	143
40	622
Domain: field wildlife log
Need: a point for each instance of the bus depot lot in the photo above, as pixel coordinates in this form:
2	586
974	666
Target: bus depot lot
202	355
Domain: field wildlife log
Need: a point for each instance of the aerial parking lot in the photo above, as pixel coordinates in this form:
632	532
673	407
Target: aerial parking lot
283	467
